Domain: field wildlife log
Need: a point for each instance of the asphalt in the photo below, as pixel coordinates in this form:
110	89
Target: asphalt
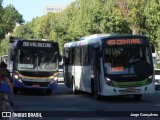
5	115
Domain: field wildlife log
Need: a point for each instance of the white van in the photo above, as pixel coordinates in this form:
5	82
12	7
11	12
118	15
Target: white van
157	78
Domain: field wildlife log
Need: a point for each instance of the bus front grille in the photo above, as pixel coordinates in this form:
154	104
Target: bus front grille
38	84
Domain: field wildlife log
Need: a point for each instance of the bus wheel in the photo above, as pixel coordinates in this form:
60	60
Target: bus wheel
138	97
94	89
73	87
96	95
48	91
15	90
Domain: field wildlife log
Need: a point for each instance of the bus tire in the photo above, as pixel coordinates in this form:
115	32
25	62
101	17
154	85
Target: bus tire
48	91
15	90
138	97
94	89
96	95
74	90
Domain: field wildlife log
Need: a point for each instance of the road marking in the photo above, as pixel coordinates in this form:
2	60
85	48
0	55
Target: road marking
60	83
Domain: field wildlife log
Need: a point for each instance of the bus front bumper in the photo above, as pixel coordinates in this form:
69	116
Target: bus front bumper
35	85
113	91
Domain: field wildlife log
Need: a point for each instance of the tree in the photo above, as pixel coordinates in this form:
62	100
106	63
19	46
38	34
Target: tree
85	17
1	23
132	12
24	31
4	47
112	21
10	18
152	13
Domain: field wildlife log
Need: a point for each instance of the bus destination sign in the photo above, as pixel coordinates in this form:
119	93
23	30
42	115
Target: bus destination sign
124	42
37	44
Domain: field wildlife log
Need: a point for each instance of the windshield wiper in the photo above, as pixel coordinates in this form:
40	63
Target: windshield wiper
50	60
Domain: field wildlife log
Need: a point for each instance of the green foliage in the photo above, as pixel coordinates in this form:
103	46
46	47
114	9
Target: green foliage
84	17
153	21
157	66
4	47
1	23
25	31
9	17
132	12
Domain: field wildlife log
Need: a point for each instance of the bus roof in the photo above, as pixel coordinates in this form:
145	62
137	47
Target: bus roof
14	39
95	38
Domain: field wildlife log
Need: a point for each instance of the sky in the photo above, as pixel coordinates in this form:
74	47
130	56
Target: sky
33	8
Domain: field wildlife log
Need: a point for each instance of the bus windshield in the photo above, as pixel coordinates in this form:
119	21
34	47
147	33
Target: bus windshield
37	60
126	60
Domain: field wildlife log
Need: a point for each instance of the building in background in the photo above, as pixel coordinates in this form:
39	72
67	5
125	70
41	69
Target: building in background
54	8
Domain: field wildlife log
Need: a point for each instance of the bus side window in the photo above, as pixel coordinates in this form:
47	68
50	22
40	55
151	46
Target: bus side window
84	55
78	58
71	56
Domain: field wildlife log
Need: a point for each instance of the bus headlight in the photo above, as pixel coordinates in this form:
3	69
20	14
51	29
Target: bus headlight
108	81
54	79
150	79
16	76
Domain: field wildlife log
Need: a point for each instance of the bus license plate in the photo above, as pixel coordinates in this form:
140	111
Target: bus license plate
35	85
130	89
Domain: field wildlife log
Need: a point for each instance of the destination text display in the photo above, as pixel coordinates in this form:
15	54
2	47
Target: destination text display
37	44
124	42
